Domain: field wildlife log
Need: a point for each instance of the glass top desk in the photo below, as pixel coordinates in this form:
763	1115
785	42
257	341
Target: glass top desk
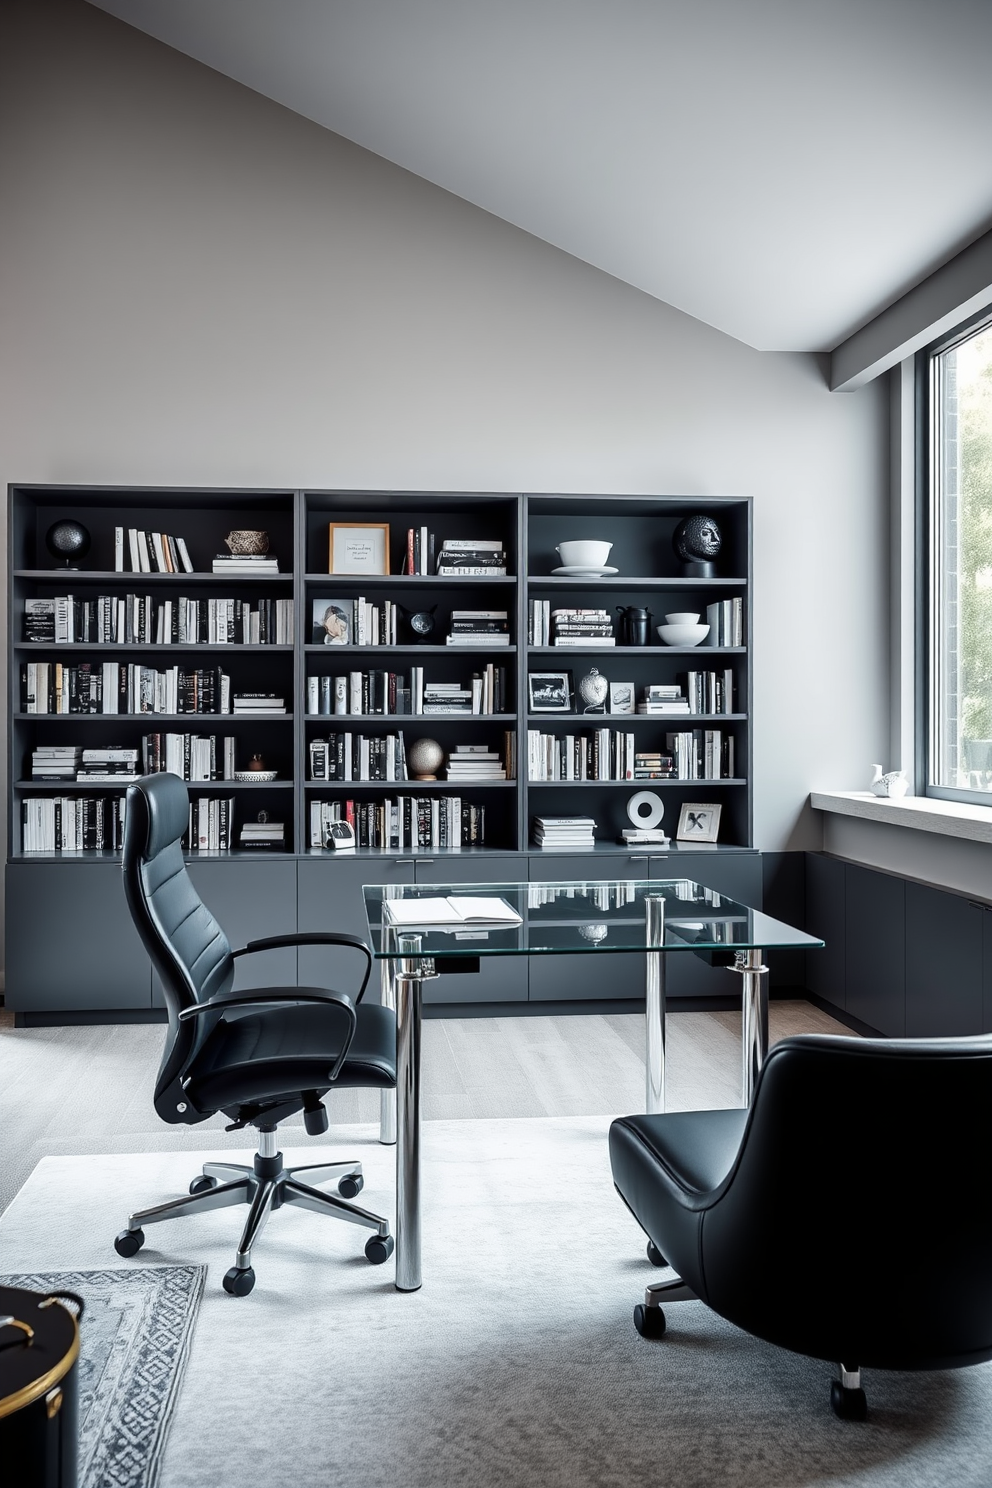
650	918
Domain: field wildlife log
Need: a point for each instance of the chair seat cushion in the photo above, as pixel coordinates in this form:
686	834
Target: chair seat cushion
290	1047
666	1168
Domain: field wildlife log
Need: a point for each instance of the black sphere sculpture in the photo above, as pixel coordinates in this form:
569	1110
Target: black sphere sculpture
697	541
67	541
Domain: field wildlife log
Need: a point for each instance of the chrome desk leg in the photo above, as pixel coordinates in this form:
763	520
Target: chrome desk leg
387	995
754	1017
413	970
654	1012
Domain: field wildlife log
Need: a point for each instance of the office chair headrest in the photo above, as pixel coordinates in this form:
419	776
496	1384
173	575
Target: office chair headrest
166	803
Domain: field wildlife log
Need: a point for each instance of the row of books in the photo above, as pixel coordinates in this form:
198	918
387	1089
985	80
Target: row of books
571	833
479	628
726	622
141	620
380	692
194	757
111	687
699	692
150	552
347	757
598	754
568	626
112	765
190	756
404	824
458	557
355	622
72	824
701	754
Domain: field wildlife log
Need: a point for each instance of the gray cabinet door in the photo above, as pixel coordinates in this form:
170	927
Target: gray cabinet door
592	976
499	978
71	946
876	949
330	898
826	970
944	936
250	900
735	874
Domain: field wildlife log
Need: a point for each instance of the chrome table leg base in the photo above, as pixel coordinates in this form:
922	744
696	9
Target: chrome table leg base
654	1011
411	973
754	1017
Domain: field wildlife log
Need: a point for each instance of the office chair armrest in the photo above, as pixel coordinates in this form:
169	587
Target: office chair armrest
268	995
313	937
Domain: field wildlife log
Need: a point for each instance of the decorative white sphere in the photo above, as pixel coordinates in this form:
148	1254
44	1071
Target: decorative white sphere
424	757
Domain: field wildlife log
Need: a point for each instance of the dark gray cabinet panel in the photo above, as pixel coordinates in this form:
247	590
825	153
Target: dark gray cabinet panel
499	978
987	970
826	970
71	945
737	875
944	935
875	952
250	900
330	898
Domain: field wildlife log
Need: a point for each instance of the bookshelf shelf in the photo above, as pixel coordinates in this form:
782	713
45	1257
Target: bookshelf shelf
59	648
409	787
625	581
71	578
634	785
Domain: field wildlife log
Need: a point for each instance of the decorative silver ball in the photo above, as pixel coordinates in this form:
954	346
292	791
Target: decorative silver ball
424	757
67	540
594	933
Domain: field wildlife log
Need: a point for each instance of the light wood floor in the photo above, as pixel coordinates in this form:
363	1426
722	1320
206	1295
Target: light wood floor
72	1091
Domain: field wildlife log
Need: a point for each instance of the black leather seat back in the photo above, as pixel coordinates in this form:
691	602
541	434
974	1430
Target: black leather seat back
856	1222
188	948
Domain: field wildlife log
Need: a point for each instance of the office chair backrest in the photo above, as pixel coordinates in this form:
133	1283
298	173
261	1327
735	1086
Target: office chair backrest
188	949
860	1203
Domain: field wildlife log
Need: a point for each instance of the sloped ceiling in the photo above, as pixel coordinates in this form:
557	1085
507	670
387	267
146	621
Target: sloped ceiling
781	169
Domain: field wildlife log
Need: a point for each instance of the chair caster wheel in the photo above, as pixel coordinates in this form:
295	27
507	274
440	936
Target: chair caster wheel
650	1322
203	1184
129	1242
379	1249
850	1405
239	1283
351	1185
655	1256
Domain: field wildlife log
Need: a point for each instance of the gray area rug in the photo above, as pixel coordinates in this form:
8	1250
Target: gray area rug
133	1345
516	1365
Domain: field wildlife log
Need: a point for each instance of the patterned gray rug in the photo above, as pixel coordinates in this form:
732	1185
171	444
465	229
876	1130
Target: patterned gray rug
134	1341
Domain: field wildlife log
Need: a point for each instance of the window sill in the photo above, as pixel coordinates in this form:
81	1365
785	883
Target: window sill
949	818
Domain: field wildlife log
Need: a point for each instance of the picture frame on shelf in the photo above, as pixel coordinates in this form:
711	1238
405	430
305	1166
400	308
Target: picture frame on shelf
699	821
622	697
358	548
549	692
331	623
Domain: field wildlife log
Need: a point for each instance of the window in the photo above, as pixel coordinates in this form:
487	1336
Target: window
959	618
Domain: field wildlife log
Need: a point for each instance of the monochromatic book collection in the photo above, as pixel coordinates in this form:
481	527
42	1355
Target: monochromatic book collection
142	620
385	694
406	824
112	687
150	552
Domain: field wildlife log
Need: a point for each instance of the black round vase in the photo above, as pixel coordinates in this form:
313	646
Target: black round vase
67	541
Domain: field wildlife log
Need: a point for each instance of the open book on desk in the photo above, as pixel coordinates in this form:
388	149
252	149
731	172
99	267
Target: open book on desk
451	913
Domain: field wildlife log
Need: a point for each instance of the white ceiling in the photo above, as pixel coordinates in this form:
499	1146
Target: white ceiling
781	169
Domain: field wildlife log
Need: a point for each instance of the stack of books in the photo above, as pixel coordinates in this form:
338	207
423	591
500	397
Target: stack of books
584	628
269	835
474	762
574	833
663	700
471	558
445	697
651	765
258	702
56	762
479	628
245	563
150	552
109	766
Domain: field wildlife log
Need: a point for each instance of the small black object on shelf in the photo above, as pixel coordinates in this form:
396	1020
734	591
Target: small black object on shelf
67	541
697	540
421	623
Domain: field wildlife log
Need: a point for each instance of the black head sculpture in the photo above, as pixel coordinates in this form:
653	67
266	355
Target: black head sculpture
697	539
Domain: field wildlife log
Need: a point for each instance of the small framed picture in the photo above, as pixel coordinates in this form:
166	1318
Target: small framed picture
358	548
698	822
550	692
331	623
621	697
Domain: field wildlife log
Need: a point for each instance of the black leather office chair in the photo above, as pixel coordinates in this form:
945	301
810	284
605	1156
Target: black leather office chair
258	1056
862	1170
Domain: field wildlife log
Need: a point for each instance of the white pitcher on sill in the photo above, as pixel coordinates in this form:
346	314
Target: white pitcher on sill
894	785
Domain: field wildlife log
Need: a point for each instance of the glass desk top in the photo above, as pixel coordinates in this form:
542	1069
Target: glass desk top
572	918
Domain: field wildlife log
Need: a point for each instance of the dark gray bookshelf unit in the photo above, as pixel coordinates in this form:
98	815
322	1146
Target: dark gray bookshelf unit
94	965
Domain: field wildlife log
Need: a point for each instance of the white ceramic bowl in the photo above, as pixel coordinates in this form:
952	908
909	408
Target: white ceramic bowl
683	635
682	618
584	553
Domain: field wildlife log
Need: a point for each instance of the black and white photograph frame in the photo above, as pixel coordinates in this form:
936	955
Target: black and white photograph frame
699	821
358	548
622	697
549	692
331	622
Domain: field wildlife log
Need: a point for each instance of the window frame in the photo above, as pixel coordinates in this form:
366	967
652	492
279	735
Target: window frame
927	578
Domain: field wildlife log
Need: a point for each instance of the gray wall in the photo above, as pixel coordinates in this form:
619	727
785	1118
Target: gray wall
199	286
